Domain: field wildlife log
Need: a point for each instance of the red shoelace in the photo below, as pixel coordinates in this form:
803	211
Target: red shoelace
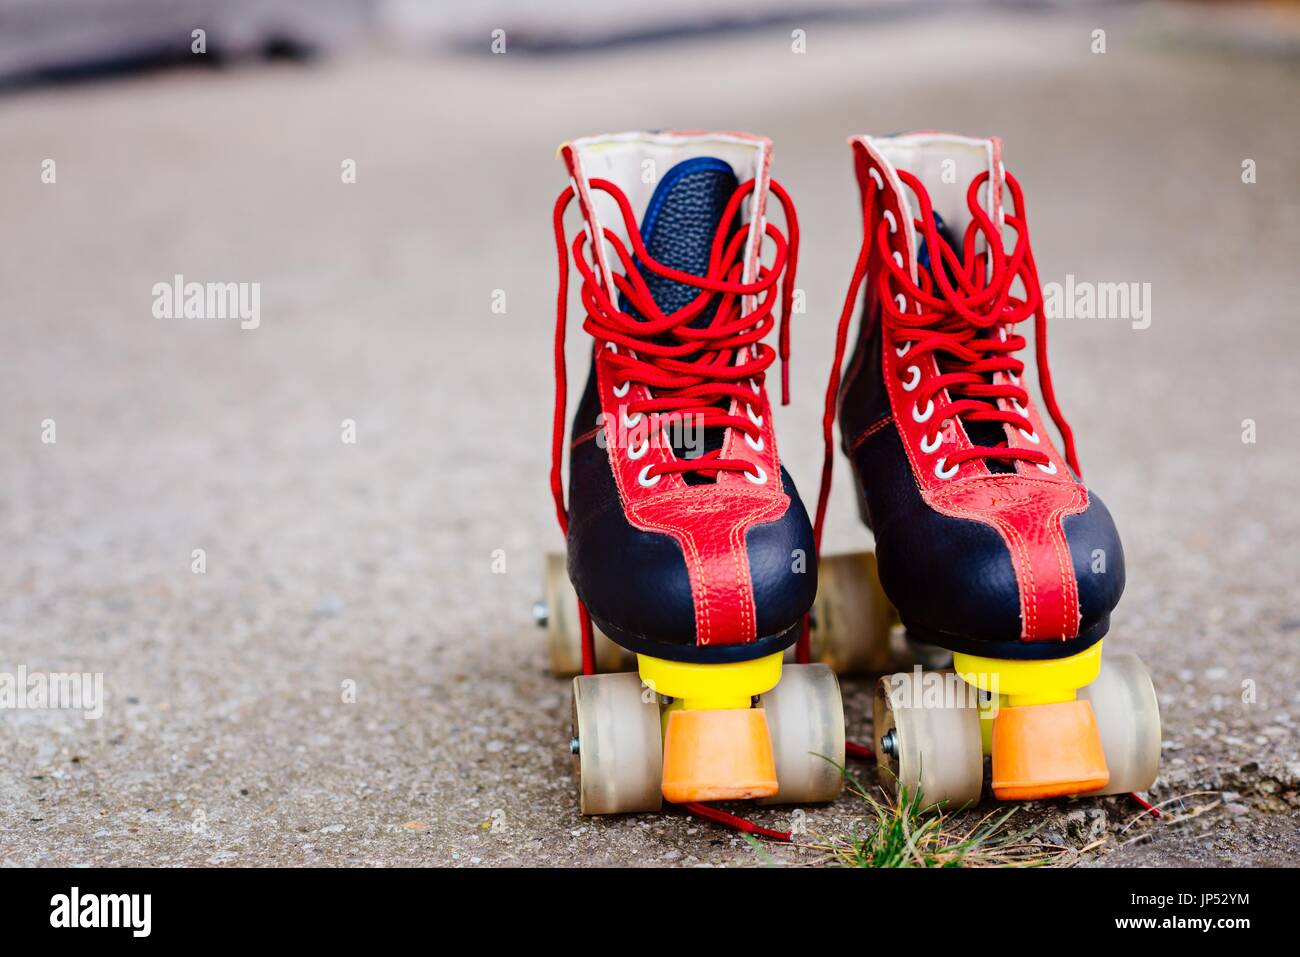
969	327
692	371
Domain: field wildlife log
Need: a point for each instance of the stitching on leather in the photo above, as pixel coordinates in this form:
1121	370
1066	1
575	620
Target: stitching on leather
735	539
1022	554
1070	585
686	542
690	554
703	629
686	538
703	617
869	431
1028	595
1067	604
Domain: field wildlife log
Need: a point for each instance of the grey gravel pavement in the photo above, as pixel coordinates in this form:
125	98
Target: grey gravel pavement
351	681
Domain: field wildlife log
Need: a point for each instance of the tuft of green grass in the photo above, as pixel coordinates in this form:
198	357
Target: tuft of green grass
904	831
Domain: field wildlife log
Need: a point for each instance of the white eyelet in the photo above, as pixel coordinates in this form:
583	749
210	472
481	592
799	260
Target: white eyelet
1029	436
646	482
760	478
1002	333
893	223
633	421
875	175
1020	409
915	372
1015	379
633	453
929	411
756	446
898	258
754	387
901	302
927	447
903	350
613	347
756	419
1049	471
939	470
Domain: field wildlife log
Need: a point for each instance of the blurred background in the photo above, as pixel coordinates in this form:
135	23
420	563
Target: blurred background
58	39
384	172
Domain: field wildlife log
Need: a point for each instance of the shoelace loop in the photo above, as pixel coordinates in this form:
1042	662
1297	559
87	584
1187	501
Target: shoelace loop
970	322
689	370
969	325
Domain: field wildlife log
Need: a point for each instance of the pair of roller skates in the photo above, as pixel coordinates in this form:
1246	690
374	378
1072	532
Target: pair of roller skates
692	560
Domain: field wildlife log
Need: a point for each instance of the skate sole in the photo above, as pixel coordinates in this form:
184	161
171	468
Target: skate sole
1016	650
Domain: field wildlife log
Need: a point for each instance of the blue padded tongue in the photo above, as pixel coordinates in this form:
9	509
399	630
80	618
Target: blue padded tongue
679	225
923	251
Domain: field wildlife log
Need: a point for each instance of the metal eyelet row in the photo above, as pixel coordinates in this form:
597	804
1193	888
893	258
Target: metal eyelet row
644	478
619	391
928	445
757	446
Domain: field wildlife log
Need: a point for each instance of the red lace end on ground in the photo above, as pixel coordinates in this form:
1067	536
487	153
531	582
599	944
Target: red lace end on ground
1146	805
736	822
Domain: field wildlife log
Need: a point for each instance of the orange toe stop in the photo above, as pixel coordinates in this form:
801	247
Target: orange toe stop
1047	750
718	755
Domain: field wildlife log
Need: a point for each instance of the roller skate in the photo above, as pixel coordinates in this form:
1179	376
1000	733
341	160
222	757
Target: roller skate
688	548
987	542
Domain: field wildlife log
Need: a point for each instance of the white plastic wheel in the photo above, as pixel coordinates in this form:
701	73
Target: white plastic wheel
805	717
851	616
619	760
927	732
1128	719
564	629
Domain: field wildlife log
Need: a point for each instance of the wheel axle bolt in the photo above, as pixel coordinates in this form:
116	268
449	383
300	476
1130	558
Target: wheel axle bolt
574	745
541	614
889	743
